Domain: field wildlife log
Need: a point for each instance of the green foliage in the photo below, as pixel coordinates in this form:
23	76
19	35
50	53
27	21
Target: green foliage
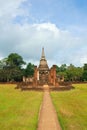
3	63
62	68
70	73
18	110
29	71
71	107
15	60
11	68
74	73
85	72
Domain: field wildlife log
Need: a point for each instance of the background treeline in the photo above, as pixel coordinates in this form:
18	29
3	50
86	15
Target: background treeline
72	73
12	69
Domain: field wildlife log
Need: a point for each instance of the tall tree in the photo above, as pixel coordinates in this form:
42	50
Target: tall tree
15	60
63	67
29	71
11	68
70	73
85	72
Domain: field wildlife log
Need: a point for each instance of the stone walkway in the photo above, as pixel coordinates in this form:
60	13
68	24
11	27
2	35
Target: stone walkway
48	118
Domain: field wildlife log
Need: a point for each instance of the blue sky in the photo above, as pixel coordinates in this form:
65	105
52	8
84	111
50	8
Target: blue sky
60	12
58	25
63	13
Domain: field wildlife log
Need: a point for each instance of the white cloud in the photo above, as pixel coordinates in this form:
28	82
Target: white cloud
9	9
28	39
83	60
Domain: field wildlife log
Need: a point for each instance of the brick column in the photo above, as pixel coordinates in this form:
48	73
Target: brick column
54	75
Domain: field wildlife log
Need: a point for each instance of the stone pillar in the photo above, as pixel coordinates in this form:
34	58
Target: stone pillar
38	75
24	79
55	81
54	75
51	76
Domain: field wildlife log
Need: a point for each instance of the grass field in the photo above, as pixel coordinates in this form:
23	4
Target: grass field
19	109
71	107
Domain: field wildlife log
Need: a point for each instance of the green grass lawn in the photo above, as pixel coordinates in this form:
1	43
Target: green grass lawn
19	109
71	107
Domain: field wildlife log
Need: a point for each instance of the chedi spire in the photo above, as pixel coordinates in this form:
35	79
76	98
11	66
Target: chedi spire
43	54
43	62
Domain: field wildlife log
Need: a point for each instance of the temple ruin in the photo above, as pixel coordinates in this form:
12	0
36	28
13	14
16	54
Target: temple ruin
43	74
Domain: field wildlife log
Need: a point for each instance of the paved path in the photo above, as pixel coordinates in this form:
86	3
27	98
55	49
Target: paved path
48	118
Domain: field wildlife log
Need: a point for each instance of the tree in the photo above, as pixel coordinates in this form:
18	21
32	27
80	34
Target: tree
70	73
85	72
11	68
63	67
29	71
74	73
15	60
3	63
57	69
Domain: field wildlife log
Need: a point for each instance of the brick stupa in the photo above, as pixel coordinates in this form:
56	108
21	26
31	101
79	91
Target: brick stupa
43	69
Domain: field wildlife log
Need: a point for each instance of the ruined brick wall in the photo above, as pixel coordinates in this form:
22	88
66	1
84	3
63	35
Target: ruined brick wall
52	76
36	80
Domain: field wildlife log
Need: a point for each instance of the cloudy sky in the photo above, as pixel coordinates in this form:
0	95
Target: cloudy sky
60	26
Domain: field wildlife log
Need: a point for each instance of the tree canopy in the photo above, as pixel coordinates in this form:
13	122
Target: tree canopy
29	71
70	73
11	69
15	60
